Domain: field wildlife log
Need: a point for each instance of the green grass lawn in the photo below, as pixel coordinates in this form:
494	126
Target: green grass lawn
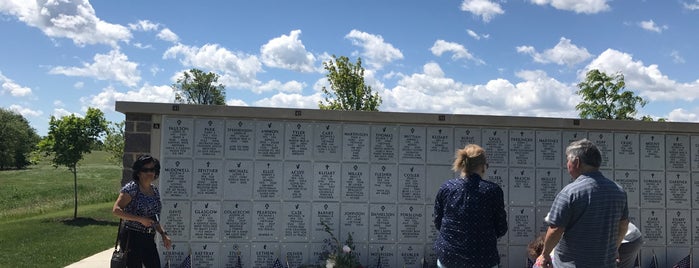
37	228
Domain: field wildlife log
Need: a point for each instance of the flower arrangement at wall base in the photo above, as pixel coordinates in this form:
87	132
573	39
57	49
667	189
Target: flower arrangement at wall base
338	255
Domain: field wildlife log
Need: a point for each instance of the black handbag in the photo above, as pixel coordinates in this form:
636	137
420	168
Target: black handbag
119	255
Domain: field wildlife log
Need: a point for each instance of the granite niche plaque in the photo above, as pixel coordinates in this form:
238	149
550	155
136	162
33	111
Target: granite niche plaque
355	182
500	176
440	145
207	178
548	149
327	142
240	139
412	144
298	144
521	224
175	216
264	254
206	220
328	214
235	255
383	186
626	151
238	182
678	227
629	180
236	220
205	254
652	152
178	137
176	178
268	180
355	143
382	223
605	143
677	148
677	191
653	226
465	136
298	181
383	255
411	183
495	143
522	148
294	254
208	138
548	183
266	221
326	181
354	219
411	223
522	187
652	189
384	144
296	222
410	255
269	142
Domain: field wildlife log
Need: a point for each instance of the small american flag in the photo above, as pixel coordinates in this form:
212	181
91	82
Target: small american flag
187	262
278	264
684	262
653	262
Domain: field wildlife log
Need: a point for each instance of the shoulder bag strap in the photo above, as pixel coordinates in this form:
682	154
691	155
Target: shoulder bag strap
116	243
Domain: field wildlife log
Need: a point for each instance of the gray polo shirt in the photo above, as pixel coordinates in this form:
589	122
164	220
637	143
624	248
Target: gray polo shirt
590	209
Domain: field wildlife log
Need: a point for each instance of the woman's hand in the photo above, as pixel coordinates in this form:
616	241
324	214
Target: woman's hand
166	241
543	261
147	222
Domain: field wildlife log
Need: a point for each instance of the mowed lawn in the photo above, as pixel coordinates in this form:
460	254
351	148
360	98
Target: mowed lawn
37	228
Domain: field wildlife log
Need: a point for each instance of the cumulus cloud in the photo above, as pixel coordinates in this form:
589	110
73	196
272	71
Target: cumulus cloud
483	8
377	53
577	6
144	25
475	35
105	100
167	35
676	57
564	53
237	70
114	66
274	85
236	102
12	88
290	101
458	51
288	52
682	115
649	25
60	112
24	111
648	80
75	20
691	6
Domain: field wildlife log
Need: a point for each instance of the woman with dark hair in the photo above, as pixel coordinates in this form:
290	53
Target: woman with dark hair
139	206
469	214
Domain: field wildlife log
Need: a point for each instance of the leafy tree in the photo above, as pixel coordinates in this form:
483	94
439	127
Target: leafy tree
69	138
114	142
347	89
197	87
17	140
605	97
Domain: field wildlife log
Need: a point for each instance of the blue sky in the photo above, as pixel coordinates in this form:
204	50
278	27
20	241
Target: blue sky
521	58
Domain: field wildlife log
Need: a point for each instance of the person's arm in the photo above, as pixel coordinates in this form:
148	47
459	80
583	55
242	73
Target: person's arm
438	211
500	213
166	239
553	235
122	201
623	227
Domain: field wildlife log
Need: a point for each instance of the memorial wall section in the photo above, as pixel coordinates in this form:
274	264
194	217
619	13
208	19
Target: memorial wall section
256	183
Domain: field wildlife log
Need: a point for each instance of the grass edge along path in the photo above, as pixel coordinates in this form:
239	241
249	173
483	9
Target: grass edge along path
55	239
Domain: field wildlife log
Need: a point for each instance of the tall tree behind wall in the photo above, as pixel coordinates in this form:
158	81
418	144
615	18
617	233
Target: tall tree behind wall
347	88
606	97
197	87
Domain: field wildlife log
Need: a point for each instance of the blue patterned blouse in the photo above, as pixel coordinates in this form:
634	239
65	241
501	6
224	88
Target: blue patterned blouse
470	216
141	204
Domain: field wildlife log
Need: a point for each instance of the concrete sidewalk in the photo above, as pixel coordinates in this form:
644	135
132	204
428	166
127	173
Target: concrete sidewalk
101	259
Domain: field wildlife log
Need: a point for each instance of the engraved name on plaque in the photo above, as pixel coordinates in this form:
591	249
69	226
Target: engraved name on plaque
298	141
383	255
521	224
266	221
296	222
264	254
411	183
236	220
206	220
178	137
294	254
208	138
548	149
176	254
605	144
522	148
355	182
678	227
626	151
412	144
355	143
205	255
383	186
176	215
206	179
465	136
268	180
694	152
677	193
495	143
232	252
677	148
652	189
410	255
238	180
382	223
384	144
298	181
653	226
327	142
440	145
500	176
176	178
240	139
354	220
522	186
326	181
629	180
269	142
411	223
652	152
548	183
324	213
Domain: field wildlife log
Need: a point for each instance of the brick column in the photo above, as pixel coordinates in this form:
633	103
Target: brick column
137	131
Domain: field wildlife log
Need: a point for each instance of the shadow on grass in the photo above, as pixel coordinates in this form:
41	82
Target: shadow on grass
81	222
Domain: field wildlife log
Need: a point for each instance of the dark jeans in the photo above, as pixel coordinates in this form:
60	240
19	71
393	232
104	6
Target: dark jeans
142	249
628	253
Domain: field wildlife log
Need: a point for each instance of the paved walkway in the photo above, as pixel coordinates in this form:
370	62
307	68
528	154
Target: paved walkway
98	260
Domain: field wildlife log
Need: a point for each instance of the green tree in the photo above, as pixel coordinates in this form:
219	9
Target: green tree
114	142
17	140
197	87
347	88
69	138
605	97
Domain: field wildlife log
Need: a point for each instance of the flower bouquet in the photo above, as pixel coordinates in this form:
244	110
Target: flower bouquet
338	255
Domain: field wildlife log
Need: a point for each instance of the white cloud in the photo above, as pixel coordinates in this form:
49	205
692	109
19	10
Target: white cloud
14	89
79	85
682	115
167	35
290	87
236	102
105	100
649	25
676	57
75	20
477	36
237	70
691	6
113	66
58	103
564	53
648	80
377	53
458	51
26	112
577	6
288	52
290	101
60	112
144	25
483	8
